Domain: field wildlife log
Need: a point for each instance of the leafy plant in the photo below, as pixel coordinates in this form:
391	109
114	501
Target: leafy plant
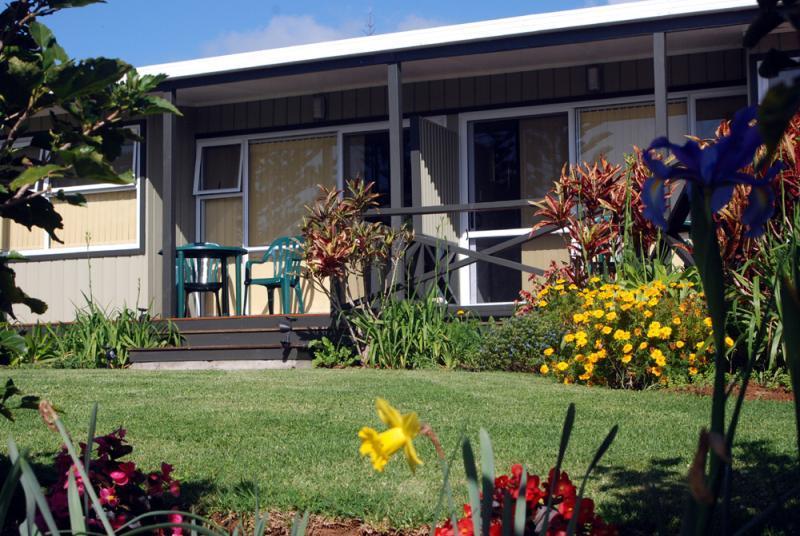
87	510
125	492
96	338
414	333
599	207
328	354
517	344
94	97
342	250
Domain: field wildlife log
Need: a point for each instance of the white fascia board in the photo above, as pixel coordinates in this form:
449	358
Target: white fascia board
446	35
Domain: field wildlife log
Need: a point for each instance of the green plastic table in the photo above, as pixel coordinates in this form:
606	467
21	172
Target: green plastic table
199	250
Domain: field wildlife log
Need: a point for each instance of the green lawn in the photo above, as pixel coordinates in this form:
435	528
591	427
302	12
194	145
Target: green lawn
294	433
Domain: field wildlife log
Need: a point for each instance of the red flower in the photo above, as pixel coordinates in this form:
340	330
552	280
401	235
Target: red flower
123	475
175	518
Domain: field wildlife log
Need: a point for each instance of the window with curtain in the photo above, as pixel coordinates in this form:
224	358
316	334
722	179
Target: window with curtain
283	178
108	220
613	131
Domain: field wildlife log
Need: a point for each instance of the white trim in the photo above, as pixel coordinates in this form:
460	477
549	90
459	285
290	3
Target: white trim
527	25
217	142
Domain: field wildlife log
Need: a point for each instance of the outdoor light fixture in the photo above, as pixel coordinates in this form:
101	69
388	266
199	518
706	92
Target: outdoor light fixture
285	327
593	79
318	108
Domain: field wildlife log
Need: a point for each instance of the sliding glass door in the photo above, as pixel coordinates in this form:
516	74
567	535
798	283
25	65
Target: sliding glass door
511	159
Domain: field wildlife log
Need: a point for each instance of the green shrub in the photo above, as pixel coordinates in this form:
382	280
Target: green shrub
415	333
328	354
517	344
97	338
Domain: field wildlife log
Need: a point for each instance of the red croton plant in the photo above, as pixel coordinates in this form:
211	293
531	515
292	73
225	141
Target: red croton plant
564	500
123	489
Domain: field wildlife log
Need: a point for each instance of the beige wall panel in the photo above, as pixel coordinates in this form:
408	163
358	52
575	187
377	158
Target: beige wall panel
541	252
108	218
16	237
62	283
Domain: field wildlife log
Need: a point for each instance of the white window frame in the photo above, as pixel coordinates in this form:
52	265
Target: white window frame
198	164
47	251
467	275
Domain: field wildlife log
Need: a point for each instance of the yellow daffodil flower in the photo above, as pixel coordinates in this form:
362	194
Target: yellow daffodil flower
400	435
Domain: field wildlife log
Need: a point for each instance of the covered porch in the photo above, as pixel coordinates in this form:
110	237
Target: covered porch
458	136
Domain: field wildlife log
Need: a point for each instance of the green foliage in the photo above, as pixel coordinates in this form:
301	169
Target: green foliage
414	333
88	102
38	513
517	344
97	338
328	354
26	402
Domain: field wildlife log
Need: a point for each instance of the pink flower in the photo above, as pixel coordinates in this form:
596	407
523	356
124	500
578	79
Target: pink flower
175	488
123	475
175	518
118	520
108	497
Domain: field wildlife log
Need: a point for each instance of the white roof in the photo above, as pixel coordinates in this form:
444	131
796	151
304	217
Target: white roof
541	23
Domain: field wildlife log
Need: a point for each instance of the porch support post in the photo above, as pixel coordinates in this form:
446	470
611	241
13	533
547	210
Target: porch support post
395	76
168	291
660	83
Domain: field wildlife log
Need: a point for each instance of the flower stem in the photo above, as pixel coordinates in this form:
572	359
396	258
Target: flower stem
428	432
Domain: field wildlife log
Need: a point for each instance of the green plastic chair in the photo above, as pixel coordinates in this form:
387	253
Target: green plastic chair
202	275
285	254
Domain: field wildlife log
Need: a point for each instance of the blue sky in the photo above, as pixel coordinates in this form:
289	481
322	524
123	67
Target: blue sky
145	32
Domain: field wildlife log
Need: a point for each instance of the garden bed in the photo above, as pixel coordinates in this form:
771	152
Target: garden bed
293	433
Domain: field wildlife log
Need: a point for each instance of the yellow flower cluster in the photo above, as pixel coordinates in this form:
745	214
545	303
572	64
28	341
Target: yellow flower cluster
628	337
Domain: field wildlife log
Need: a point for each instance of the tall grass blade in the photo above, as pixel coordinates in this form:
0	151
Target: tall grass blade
487	479
520	512
566	431
87	457
446	492
7	491
299	524
472	486
573	523
87	485
77	521
33	491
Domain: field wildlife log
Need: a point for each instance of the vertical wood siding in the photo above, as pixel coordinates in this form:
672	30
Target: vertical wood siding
724	67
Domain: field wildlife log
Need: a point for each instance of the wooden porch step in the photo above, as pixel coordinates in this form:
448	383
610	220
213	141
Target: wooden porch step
251	322
244	352
250	336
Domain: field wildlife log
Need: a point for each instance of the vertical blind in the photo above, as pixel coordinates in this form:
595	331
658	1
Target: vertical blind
283	179
612	132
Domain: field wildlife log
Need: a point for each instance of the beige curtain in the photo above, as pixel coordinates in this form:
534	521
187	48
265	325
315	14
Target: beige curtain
222	221
283	179
109	218
544	149
612	132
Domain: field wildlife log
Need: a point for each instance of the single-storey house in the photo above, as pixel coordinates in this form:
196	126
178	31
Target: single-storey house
479	115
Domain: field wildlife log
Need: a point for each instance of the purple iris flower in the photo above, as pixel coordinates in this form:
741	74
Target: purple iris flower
715	169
